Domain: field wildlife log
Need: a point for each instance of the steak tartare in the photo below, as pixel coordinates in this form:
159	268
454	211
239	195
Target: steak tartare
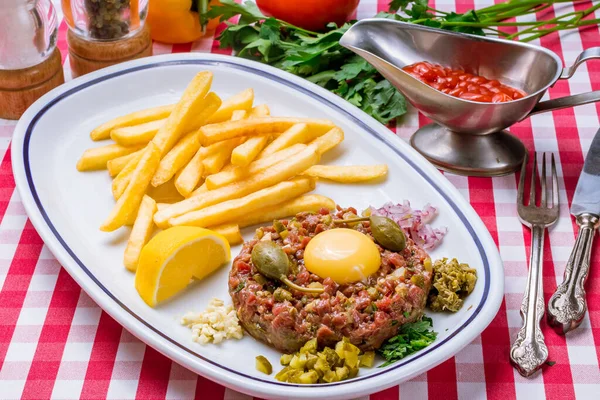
367	312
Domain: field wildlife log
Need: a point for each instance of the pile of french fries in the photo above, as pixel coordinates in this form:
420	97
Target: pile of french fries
222	165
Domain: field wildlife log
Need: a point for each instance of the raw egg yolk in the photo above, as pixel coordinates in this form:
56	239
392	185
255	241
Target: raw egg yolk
344	255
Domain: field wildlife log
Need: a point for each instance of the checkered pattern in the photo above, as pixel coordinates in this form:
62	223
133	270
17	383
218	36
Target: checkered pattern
57	343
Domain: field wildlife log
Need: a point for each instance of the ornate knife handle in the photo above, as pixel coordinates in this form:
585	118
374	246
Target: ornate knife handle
529	352
567	305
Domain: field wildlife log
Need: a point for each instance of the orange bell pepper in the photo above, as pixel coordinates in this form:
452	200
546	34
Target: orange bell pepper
172	21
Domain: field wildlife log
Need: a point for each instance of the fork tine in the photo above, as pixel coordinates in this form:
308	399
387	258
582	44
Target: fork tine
543	202
521	188
533	176
554	184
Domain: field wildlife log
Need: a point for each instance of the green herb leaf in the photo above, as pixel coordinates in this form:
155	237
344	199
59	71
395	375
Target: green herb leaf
239	287
248	12
411	338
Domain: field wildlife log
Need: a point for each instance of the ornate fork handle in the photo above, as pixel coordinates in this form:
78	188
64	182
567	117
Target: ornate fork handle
529	352
567	305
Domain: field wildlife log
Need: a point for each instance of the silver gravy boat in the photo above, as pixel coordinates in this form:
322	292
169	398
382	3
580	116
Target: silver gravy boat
468	137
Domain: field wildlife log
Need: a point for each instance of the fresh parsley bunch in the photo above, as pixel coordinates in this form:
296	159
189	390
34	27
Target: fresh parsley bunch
317	57
410	339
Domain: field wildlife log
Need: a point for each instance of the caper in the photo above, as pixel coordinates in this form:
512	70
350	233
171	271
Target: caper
271	261
385	231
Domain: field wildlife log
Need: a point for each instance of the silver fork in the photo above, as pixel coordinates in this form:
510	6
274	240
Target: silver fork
529	352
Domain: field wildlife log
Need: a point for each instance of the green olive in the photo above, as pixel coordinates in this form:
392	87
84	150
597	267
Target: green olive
387	233
271	261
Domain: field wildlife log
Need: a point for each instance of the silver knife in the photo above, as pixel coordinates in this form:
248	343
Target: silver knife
567	305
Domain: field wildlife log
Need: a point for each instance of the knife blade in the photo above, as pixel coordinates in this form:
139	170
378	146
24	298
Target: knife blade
587	193
567	306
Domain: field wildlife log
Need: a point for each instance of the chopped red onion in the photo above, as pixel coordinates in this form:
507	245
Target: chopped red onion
414	222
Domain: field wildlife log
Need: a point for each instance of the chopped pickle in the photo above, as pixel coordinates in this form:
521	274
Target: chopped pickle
310	347
280	294
261	280
427	264
373	293
342	373
418	280
309	365
284	233
367	359
279	227
263	365
327	219
452	282
309	377
285	359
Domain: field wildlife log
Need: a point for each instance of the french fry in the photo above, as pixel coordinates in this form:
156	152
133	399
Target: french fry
165	193
190	175
238	114
216	161
329	140
122	179
135	118
240	101
309	202
189	106
140	234
261	110
136	134
347	173
116	165
258	126
185	149
298	133
246	152
238	173
202	189
231	232
119	184
230	210
130	201
143	133
161	206
97	158
277	173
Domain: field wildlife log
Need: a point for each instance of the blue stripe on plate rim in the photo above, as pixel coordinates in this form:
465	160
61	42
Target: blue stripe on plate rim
308	92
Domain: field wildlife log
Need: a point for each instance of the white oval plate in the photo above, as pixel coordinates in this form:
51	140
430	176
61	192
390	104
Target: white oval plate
67	207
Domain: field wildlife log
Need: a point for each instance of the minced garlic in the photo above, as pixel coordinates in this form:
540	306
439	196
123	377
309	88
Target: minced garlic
217	323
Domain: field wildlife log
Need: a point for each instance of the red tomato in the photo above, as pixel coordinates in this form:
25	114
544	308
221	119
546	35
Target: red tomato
313	15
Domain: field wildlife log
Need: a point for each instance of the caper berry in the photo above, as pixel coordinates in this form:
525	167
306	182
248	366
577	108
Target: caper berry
385	231
271	261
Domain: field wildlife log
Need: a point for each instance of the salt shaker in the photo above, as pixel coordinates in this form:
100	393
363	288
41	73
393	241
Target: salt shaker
30	64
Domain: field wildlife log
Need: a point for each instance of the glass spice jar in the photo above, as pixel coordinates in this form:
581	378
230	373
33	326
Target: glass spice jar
28	31
105	19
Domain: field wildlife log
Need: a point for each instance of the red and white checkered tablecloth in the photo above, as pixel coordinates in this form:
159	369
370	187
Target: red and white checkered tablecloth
55	342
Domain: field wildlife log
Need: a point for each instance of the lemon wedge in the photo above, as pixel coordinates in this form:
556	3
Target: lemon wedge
170	260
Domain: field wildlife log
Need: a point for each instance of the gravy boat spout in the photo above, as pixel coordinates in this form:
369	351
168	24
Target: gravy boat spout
468	136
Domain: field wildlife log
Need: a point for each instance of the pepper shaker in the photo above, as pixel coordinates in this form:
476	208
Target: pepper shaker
105	32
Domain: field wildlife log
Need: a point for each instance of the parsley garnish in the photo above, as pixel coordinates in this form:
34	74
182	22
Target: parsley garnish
411	338
239	287
319	57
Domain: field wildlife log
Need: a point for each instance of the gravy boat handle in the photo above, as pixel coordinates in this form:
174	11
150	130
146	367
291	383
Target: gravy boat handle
576	99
